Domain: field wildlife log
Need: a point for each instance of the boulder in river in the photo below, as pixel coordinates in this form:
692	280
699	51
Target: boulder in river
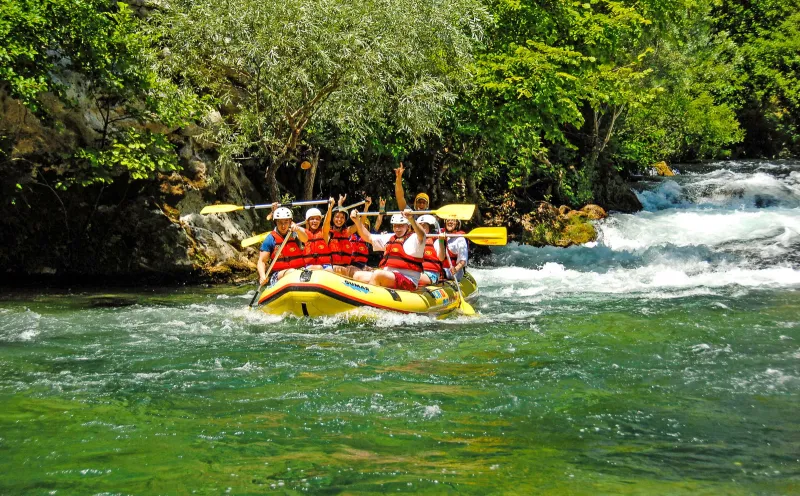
662	169
560	227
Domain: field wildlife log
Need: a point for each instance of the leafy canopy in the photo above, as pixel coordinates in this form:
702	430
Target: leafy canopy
277	67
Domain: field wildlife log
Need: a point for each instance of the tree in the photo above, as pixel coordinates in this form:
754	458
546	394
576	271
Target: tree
92	53
276	68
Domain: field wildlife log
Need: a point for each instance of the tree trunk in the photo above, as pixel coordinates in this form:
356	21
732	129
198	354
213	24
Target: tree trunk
271	181
308	180
472	194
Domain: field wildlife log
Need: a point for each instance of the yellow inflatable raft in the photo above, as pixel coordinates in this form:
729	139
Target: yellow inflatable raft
317	293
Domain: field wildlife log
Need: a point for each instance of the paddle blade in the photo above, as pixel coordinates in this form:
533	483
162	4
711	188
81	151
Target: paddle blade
254	240
489	236
220	209
466	308
455	211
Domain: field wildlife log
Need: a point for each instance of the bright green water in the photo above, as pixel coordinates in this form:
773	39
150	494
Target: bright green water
187	392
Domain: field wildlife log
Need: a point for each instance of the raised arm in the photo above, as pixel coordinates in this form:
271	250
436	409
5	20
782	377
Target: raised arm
367	202
416	227
381	211
398	187
326	222
362	231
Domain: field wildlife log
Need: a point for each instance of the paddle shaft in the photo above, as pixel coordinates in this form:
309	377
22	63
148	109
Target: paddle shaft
463	303
413	212
294	204
454	211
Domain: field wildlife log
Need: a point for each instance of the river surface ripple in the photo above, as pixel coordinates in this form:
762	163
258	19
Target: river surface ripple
665	358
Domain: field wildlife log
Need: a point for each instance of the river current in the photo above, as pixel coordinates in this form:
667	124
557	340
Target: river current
664	358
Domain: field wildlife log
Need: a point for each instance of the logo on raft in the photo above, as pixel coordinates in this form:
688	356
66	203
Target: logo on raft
357	287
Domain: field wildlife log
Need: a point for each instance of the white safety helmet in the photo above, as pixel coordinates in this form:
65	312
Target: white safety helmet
427	219
282	213
399	219
312	212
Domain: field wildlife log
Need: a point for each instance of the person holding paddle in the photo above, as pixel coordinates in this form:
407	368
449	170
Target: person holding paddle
457	250
289	256
401	266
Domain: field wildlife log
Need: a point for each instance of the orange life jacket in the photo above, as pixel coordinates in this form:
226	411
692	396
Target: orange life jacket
395	257
291	256
341	248
317	251
360	249
430	261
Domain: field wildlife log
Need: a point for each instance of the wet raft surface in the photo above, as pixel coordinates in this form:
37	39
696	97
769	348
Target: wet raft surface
660	360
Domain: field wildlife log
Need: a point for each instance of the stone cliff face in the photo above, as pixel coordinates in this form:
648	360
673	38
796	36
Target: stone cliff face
146	228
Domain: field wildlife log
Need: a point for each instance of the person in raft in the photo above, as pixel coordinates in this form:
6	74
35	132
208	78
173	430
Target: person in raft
457	250
344	248
421	201
290	257
432	269
401	266
317	252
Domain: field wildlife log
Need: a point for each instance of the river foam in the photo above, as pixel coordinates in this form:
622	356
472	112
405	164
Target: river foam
735	226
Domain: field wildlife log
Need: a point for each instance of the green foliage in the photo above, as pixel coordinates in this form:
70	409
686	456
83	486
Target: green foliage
42	41
93	53
141	155
767	35
344	68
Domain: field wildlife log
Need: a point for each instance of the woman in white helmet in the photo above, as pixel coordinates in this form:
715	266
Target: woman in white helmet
290	257
317	252
457	250
401	267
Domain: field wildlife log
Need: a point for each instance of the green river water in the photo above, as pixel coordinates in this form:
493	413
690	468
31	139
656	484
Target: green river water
671	366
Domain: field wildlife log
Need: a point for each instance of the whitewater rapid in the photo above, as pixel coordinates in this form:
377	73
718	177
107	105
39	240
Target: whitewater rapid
719	228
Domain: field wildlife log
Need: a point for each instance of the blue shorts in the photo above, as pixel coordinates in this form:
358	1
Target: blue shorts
433	276
327	267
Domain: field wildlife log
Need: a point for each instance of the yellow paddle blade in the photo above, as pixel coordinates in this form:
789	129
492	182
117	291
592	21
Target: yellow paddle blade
490	236
254	240
466	308
455	211
220	209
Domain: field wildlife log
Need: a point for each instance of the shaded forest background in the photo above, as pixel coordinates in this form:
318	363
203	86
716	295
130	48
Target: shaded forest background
119	120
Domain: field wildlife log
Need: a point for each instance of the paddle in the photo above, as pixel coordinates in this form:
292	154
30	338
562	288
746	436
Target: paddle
224	207
463	305
490	236
454	211
258	238
271	265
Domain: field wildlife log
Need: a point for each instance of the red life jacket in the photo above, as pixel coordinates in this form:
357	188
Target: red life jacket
291	256
341	248
360	249
395	257
450	254
430	261
317	251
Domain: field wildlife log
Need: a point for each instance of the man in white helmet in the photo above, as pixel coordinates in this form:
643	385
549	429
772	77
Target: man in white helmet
290	257
401	266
